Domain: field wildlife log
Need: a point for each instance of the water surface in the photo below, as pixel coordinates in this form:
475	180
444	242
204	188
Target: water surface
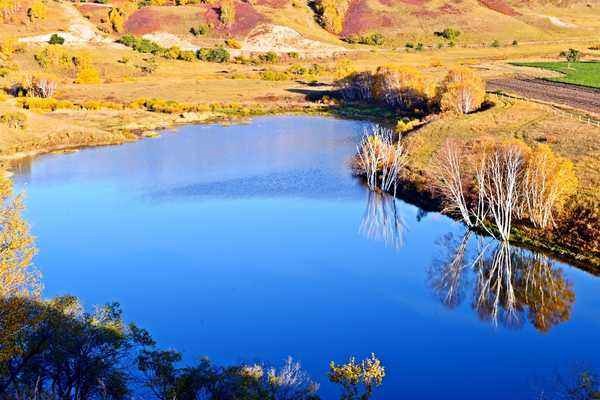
253	242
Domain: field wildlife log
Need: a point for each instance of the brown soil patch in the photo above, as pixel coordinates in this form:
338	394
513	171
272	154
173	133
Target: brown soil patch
587	99
246	19
500	6
150	19
361	18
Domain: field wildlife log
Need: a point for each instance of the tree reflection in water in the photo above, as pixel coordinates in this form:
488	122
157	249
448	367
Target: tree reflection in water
510	285
382	221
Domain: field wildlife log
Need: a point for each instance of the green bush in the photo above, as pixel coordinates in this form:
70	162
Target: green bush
187	55
141	45
272	75
55	39
216	54
200	30
269	57
374	39
449	34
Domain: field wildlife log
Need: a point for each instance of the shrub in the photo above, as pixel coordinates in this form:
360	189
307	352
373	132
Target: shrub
199	30
216	54
40	104
140	45
406	125
56	39
571	55
449	34
233	43
42	86
8	46
357	379
269	57
374	39
461	91
53	55
99	104
495	43
88	75
15	120
172	53
272	75
187	55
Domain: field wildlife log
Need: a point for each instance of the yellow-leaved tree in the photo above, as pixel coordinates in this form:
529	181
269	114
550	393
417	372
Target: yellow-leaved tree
331	14
400	86
461	91
37	10
18	277
548	181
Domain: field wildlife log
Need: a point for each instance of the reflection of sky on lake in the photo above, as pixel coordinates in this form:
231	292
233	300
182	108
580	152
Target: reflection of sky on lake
254	242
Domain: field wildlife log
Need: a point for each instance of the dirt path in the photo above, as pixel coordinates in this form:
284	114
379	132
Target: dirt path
587	99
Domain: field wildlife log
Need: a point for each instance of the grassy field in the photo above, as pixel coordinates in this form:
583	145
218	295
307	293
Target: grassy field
585	73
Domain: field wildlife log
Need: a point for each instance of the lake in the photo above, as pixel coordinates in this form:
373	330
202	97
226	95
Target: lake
253	242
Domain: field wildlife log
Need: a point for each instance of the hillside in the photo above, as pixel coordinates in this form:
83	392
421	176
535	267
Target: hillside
399	21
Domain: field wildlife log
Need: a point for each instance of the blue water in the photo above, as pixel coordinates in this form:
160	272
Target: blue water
253	242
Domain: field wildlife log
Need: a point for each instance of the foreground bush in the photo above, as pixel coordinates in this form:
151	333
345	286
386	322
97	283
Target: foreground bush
358	380
53	349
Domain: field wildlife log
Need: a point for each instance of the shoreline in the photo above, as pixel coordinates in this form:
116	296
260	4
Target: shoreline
408	191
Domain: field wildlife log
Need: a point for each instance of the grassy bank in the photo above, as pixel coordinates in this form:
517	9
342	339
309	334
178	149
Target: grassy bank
574	238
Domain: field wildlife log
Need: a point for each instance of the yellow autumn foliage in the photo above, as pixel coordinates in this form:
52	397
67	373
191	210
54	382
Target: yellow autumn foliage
462	91
548	181
88	74
17	275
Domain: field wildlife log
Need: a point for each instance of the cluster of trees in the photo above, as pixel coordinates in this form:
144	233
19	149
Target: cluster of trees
404	88
510	286
78	63
508	181
217	54
380	159
373	39
54	349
